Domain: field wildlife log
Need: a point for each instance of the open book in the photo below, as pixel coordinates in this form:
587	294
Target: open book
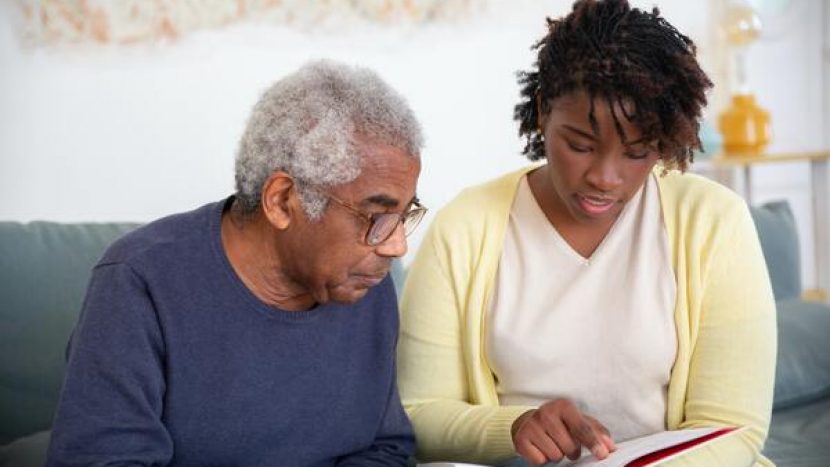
648	450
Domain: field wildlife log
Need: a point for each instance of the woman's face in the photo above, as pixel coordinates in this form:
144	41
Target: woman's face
593	174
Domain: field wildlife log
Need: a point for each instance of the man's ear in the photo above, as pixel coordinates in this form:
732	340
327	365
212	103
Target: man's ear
279	199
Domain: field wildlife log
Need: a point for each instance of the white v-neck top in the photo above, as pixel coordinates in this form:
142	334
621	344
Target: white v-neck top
599	331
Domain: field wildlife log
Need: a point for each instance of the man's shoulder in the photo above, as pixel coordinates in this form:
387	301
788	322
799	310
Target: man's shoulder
162	237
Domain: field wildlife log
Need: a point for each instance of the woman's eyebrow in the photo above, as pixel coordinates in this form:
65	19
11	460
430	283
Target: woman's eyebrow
580	132
639	141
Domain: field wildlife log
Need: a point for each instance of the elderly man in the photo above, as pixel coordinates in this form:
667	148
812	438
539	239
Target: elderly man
259	330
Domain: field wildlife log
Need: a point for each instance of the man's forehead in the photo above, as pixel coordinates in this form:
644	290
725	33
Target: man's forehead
388	175
371	189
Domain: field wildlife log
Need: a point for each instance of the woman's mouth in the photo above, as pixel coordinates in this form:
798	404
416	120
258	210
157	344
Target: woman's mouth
594	205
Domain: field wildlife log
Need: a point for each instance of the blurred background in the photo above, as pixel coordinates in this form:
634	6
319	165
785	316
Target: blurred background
128	110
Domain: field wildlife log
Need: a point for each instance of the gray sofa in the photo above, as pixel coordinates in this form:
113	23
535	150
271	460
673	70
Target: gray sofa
800	431
45	267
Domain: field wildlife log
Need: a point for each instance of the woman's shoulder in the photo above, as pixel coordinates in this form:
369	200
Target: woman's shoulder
693	193
492	198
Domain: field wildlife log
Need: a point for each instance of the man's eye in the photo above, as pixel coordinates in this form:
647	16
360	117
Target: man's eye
376	216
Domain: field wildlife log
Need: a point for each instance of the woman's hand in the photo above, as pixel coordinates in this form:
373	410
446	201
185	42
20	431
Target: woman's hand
557	429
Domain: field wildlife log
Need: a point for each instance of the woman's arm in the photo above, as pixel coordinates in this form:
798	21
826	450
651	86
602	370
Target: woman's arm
732	368
432	374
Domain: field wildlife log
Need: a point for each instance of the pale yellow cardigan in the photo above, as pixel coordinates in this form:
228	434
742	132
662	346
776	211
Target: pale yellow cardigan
725	319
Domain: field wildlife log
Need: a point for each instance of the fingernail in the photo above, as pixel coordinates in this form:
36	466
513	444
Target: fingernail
600	452
609	442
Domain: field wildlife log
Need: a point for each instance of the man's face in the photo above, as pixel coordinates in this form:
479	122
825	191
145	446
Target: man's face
594	173
330	257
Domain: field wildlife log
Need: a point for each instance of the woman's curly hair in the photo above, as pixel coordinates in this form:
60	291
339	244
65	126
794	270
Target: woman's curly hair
611	50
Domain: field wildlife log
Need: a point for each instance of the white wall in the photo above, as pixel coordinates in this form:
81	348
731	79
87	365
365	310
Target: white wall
825	87
94	134
785	69
137	133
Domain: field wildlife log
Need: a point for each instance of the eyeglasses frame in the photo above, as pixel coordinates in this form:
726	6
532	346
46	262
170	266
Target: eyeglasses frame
415	206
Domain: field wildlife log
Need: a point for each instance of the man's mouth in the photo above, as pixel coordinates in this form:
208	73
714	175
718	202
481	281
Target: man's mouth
369	280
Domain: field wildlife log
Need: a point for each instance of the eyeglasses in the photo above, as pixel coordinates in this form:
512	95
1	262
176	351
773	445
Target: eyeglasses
383	225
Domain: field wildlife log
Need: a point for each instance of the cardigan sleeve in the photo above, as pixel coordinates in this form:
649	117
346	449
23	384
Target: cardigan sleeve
433	375
732	368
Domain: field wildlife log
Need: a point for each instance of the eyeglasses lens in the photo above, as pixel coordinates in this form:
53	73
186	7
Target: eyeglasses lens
385	224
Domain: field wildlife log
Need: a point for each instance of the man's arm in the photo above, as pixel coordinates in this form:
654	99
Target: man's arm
394	442
112	399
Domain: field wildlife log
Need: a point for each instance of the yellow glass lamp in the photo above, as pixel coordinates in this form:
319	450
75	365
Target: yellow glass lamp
744	125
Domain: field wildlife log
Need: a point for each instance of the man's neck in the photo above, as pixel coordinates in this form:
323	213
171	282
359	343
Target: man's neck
249	243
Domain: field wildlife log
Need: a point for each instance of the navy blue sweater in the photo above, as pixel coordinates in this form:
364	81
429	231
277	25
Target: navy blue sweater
175	362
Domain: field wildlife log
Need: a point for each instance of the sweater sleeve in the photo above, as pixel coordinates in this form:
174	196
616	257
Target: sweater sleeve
733	361
434	378
110	407
394	442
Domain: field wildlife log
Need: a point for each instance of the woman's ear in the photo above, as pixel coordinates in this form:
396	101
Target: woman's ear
278	199
541	114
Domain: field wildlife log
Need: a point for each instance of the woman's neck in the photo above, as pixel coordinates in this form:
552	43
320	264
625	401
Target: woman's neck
583	237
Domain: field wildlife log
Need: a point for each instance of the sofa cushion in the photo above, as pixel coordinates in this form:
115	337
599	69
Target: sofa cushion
45	269
398	273
803	371
29	451
779	240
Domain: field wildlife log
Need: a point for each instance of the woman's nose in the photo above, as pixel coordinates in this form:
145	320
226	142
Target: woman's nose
604	174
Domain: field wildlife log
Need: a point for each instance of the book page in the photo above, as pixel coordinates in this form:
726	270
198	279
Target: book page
450	464
633	449
630	450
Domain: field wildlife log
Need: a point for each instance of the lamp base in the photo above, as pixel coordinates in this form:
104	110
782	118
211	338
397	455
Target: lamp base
745	126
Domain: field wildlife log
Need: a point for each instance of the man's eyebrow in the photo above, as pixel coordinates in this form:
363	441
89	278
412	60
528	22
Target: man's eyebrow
382	200
580	132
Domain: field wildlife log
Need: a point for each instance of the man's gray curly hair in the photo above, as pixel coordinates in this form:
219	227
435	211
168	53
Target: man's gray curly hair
306	125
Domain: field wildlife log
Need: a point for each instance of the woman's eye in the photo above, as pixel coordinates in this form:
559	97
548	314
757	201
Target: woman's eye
578	148
638	154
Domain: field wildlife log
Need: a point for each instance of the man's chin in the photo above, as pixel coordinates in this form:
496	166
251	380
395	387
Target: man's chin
348	295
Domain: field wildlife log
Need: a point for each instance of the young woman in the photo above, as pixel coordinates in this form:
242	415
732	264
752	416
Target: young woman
602	295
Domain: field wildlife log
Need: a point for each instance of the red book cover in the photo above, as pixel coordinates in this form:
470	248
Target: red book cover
665	453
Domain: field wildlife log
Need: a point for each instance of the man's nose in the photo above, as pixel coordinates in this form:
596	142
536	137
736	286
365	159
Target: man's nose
394	246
